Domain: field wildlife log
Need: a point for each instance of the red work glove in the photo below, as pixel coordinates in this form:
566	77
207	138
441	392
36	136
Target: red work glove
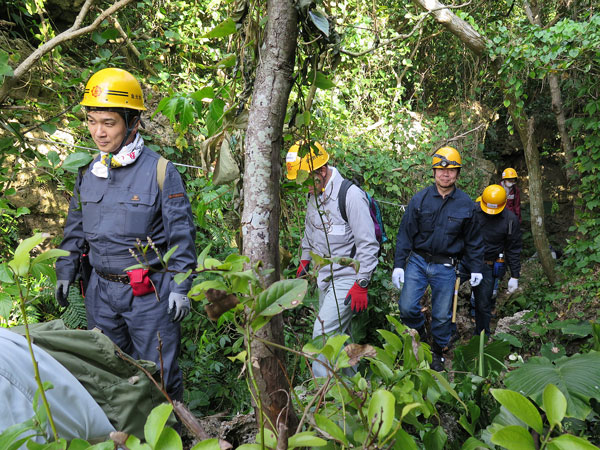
303	268
358	297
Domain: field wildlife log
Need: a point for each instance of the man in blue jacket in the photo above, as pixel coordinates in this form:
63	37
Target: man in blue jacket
437	230
117	201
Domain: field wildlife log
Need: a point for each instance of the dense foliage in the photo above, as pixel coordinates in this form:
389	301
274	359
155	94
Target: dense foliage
381	86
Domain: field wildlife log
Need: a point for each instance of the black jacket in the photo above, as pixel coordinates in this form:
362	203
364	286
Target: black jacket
501	234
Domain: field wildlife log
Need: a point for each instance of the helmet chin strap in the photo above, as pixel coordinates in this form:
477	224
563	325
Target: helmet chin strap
129	129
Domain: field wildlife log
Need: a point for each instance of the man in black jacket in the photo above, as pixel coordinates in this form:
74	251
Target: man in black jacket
502	242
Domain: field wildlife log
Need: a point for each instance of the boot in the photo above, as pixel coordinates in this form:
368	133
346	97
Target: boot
438	359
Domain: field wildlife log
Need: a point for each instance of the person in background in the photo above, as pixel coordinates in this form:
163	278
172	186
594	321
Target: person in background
116	202
513	194
438	229
342	290
502	244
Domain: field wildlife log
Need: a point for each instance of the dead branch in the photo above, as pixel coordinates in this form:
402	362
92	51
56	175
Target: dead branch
72	33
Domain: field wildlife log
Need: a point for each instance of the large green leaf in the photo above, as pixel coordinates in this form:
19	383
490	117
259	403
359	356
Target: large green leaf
284	294
555	405
207	444
520	406
20	262
74	161
435	439
223	29
52	253
473	444
577	377
305	439
569	442
466	357
169	440
514	438
381	412
156	423
331	428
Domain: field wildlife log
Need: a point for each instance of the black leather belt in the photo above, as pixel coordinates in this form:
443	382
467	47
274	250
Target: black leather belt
113	277
436	259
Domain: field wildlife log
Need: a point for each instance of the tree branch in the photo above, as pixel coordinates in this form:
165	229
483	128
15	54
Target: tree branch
72	33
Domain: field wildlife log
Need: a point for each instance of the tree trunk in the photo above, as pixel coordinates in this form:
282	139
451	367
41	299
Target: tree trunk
260	217
536	204
477	44
533	14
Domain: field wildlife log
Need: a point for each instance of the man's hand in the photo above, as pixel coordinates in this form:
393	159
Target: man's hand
62	292
513	285
179	306
475	279
397	277
303	268
357	297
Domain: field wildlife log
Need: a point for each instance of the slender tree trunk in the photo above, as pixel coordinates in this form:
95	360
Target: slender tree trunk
477	44
536	204
532	10
260	217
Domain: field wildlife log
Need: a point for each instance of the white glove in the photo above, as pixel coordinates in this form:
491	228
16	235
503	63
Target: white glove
513	285
181	305
398	277
475	279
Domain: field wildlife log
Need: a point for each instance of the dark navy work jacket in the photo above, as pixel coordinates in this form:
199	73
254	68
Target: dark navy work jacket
501	234
111	214
440	226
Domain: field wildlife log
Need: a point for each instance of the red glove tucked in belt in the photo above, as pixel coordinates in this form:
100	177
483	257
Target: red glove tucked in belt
303	268
358	297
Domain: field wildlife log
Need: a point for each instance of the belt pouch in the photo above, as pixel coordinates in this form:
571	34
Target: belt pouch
140	282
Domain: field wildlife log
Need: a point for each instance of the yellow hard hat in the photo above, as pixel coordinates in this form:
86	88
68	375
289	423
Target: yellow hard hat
315	158
509	173
493	199
446	158
113	88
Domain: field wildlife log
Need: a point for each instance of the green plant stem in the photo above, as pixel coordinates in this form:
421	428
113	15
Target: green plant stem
481	346
36	370
257	399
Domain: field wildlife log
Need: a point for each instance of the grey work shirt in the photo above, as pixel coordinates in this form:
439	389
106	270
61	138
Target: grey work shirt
330	228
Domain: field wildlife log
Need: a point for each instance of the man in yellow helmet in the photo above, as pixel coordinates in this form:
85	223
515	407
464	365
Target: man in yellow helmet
502	244
437	230
513	194
341	289
126	196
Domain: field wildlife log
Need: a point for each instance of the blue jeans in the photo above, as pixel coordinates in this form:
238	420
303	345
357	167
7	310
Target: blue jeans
483	300
418	274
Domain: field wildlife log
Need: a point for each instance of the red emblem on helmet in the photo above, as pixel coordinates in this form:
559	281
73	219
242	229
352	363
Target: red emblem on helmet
96	91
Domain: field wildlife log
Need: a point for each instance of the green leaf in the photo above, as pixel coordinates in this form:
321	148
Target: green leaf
569	442
473	444
49	128
188	112
250	447
392	339
576	376
20	262
156	423
321	81
6	275
381	412
520	406
181	277
5	69
320	21
223	29
283	294
169	440
207	444
53	158
555	405
442	380
197	292
305	439
169	253
514	438
74	161
98	39
110	33
52	253
435	439
205	93
331	428
506	103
